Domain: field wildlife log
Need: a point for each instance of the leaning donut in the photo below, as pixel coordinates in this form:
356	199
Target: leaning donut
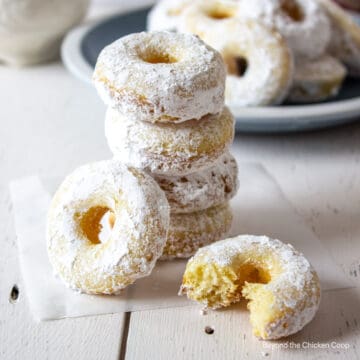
259	62
282	287
303	23
161	77
317	80
203	189
345	39
140	219
189	232
169	149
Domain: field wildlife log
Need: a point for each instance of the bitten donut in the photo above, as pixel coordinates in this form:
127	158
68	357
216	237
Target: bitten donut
139	214
188	232
282	287
345	39
302	22
161	77
259	62
169	149
203	189
317	80
165	15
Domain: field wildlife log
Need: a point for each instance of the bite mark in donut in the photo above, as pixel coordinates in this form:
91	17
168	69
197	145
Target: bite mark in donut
280	285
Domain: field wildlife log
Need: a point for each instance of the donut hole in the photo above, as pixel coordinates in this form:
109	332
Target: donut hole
236	65
220	12
156	56
96	224
292	10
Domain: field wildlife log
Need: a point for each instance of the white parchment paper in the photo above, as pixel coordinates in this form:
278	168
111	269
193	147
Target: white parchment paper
259	208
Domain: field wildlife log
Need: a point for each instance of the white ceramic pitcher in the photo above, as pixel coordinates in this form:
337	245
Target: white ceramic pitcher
31	30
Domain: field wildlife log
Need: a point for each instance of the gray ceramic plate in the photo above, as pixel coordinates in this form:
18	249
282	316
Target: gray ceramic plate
82	46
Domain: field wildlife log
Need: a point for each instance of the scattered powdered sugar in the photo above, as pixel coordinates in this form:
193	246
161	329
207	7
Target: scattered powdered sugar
296	288
206	188
307	37
204	311
141	217
187	84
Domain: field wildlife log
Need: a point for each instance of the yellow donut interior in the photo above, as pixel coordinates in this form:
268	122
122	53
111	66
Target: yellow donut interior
90	222
221	285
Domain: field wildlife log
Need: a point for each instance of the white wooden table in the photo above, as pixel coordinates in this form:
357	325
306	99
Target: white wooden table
50	123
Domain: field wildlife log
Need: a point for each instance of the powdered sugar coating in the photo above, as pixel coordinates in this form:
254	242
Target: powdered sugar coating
165	14
203	189
161	77
308	36
189	232
295	290
169	149
345	37
137	238
317	80
269	62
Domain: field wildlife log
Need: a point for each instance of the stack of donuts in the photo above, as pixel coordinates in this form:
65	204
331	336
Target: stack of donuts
166	192
166	116
275	50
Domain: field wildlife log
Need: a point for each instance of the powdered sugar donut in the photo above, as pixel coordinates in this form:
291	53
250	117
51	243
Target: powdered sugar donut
202	16
139	214
302	22
165	14
282	287
170	149
259	62
317	80
161	77
203	189
345	39
188	232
